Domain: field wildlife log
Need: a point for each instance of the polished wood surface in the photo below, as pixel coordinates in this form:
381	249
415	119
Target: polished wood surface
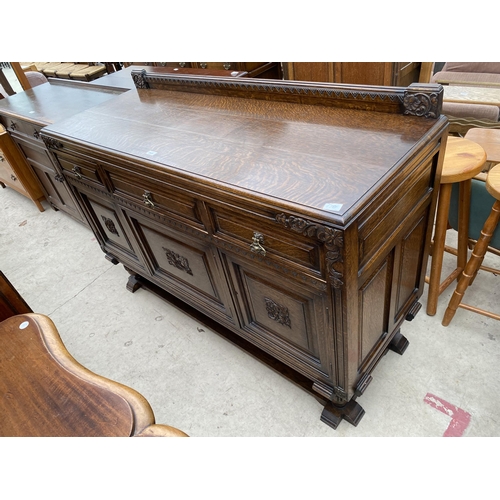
46	392
297	216
24	114
489	140
11	301
463	160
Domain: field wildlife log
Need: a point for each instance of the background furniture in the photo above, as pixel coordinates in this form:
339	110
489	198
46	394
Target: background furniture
473	111
486	238
15	171
364	73
463	160
24	115
44	391
296	223
253	69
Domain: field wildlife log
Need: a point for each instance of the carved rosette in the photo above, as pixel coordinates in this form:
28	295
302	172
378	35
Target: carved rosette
178	261
332	238
139	80
278	312
417	102
110	225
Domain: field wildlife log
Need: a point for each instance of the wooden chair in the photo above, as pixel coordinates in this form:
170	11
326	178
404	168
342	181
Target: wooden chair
44	391
489	236
463	160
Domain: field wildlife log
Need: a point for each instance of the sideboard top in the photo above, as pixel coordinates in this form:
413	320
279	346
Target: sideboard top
322	158
56	100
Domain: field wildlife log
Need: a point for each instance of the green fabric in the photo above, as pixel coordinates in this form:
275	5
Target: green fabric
480	208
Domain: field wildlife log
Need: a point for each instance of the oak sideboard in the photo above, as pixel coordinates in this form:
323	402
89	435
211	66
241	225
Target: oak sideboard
296	215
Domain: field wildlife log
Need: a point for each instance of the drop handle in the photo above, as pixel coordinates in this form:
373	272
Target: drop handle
148	200
13	177
78	173
257	242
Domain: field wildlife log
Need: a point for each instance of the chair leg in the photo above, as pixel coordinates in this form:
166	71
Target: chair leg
474	263
438	248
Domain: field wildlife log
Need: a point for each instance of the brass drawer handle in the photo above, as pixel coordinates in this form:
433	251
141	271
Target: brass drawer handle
59	178
257	242
148	200
227	65
13	177
78	173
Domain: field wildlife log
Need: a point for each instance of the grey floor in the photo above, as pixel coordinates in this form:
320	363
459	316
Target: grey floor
197	381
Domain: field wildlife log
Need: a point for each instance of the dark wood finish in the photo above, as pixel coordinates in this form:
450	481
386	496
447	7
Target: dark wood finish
45	392
11	301
296	216
26	113
399	74
252	69
15	171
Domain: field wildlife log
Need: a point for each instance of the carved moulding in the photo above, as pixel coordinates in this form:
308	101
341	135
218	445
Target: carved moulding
332	238
423	101
278	313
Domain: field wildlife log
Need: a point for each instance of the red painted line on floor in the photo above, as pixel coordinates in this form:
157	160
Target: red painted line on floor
460	419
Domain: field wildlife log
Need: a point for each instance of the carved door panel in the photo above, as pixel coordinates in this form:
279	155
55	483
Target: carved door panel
54	184
184	265
109	228
282	317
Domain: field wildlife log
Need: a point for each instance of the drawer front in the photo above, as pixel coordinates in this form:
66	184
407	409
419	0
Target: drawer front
7	174
184	265
281	317
78	168
262	235
154	196
21	127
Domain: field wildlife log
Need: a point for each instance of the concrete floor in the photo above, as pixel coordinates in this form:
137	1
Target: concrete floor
446	383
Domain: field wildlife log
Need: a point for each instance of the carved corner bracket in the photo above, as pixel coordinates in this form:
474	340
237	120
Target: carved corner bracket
332	238
140	80
51	143
423	100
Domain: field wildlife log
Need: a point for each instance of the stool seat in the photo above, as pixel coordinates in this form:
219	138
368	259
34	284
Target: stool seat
463	160
493	182
488	139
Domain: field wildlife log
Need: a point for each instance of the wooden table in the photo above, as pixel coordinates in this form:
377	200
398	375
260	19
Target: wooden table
44	391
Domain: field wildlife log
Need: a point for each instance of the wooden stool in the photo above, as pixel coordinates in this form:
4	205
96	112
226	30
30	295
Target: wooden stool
489	140
478	253
463	159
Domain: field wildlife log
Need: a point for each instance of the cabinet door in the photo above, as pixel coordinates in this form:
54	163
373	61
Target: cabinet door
109	226
54	185
184	265
283	317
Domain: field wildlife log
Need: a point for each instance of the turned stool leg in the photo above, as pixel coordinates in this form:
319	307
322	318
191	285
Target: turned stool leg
438	247
474	263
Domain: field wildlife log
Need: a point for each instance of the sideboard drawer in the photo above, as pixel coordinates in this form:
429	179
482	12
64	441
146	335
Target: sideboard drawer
155	197
21	127
263	235
79	169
